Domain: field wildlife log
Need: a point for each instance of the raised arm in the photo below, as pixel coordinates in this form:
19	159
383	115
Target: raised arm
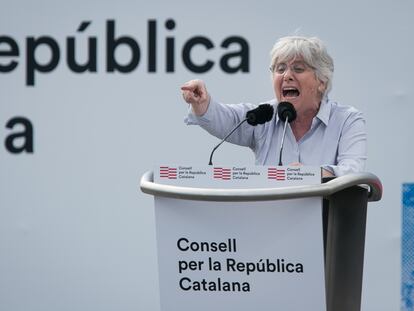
216	118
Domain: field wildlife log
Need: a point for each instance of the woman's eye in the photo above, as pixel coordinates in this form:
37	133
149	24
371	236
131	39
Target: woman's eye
298	69
280	69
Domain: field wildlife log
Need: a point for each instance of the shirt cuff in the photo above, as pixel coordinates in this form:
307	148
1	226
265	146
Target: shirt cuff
192	119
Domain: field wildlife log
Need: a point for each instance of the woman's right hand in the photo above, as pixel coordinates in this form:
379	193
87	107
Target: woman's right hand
195	93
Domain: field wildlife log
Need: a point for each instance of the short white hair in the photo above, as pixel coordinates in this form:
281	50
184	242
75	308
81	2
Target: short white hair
313	52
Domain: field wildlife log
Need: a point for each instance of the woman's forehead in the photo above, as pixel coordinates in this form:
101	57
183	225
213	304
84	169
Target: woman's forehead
289	59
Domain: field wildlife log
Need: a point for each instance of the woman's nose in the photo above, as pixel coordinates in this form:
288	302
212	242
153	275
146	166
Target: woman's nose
288	74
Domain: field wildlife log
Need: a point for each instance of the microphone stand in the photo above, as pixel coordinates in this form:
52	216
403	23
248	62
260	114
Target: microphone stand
224	139
283	140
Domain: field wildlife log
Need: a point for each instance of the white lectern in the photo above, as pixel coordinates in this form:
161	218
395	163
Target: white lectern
248	237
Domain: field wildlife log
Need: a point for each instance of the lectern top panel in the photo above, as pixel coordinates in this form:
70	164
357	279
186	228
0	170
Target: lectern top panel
237	177
255	191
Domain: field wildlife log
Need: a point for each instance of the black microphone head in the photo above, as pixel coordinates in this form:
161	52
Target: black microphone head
261	114
285	110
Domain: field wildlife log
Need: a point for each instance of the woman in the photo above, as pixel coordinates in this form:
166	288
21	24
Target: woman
324	133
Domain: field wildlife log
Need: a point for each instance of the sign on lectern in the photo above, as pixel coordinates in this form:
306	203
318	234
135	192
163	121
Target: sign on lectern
265	255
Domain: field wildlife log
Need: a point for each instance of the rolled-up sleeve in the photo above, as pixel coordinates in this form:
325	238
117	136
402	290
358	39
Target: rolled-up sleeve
352	146
220	119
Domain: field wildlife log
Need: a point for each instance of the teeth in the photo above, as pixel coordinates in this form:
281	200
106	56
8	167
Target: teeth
290	92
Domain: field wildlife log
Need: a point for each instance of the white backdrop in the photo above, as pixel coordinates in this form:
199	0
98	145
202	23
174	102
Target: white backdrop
75	232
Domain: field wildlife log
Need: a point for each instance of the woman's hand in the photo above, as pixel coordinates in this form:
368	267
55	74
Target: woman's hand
195	93
326	173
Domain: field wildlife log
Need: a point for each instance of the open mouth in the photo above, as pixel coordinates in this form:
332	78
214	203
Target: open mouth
290	92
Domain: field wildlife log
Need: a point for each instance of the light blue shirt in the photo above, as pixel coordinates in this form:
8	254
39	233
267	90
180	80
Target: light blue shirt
336	140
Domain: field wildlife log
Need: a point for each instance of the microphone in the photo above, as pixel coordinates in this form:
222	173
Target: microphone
285	110
260	115
287	114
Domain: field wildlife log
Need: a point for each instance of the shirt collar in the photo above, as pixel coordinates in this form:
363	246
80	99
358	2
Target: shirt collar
324	111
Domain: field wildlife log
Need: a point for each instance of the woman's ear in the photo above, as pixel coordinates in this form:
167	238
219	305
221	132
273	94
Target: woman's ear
322	87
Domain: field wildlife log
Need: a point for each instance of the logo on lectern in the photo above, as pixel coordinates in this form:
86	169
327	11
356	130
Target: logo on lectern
168	172
276	173
222	173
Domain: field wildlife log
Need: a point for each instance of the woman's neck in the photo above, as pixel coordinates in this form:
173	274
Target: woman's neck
302	123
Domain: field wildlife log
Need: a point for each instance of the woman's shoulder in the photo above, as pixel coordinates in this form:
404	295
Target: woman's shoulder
340	109
343	116
341	106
